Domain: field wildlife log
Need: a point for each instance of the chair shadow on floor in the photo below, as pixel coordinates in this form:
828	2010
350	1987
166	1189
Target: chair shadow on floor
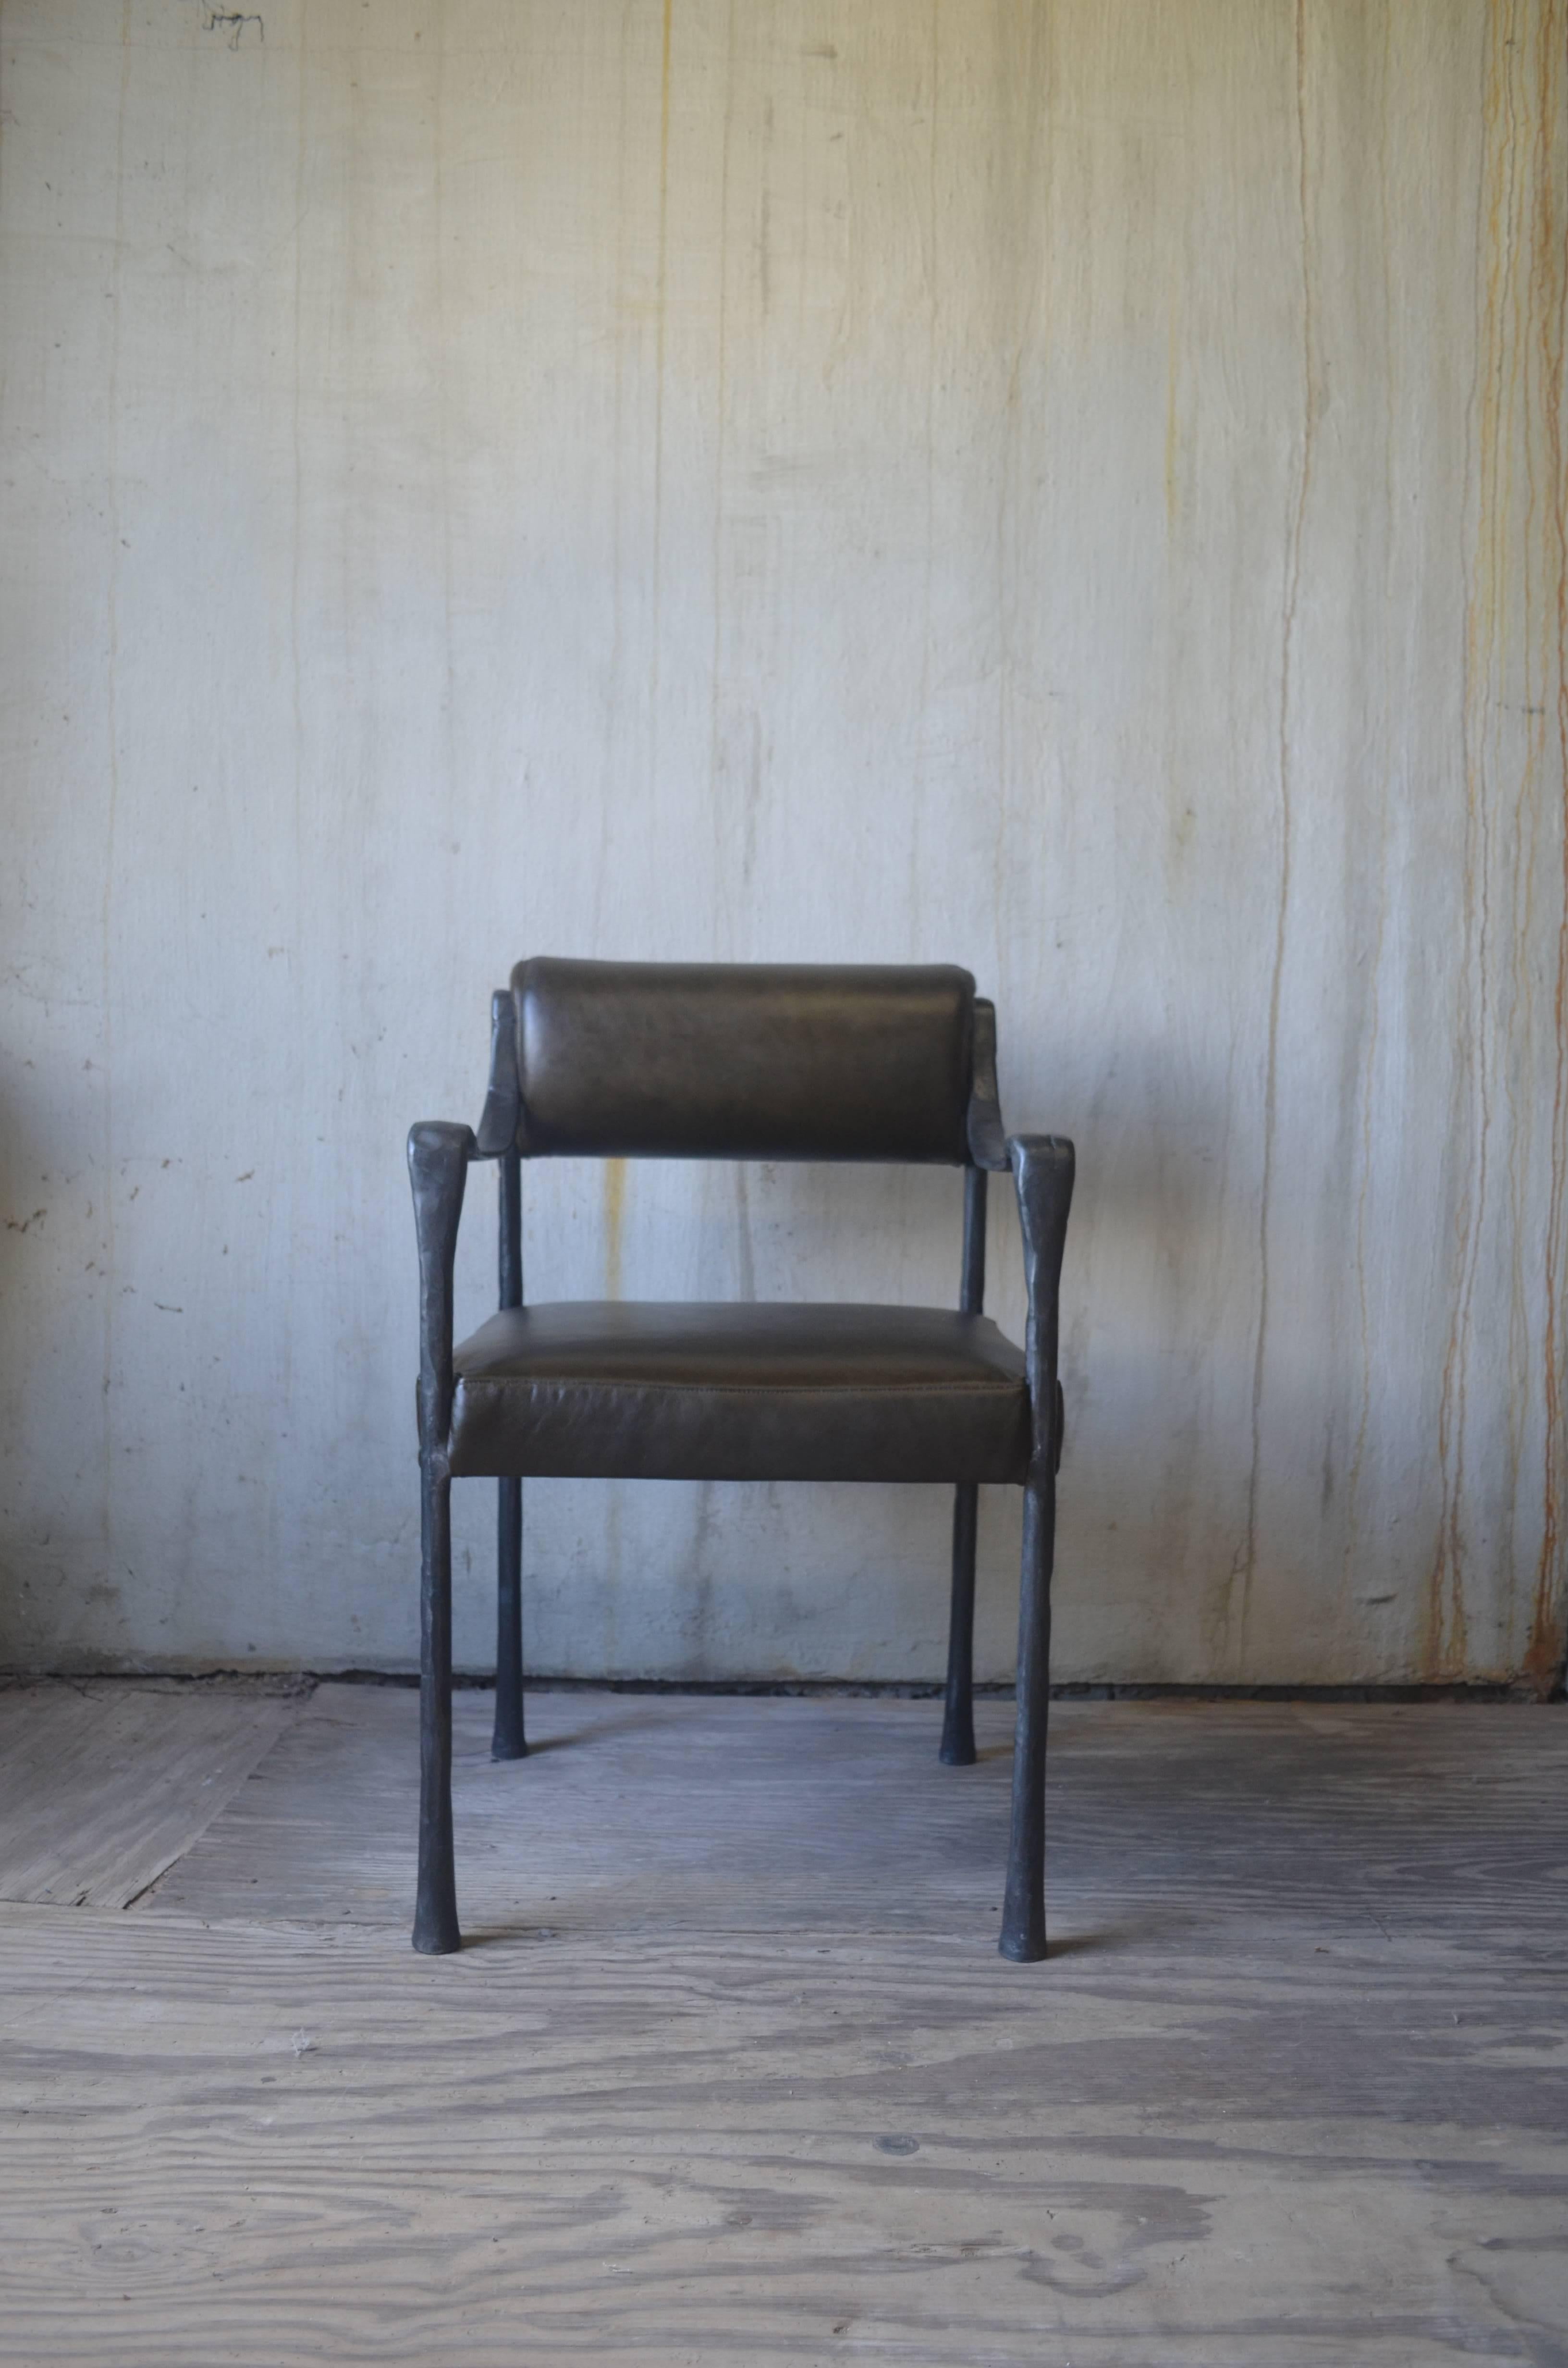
1107	1939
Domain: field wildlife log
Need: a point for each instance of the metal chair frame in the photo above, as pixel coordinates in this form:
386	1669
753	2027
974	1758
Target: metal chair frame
439	1155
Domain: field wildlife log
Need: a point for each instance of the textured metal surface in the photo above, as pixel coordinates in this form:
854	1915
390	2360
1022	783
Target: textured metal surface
439	1154
510	1740
655	1390
1044	1169
957	1748
986	1117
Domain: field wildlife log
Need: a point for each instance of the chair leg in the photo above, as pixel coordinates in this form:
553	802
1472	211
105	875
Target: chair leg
509	1742
1023	1916
958	1714
436	1931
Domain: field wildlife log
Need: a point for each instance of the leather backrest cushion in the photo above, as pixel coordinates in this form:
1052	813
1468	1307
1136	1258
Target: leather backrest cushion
753	1061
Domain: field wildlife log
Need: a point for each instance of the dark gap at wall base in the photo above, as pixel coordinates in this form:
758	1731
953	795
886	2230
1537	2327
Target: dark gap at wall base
304	1681
899	1690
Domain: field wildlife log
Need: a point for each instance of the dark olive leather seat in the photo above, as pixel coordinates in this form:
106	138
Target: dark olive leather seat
760	1062
634	1390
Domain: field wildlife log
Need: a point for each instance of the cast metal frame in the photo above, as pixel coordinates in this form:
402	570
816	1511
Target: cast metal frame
439	1155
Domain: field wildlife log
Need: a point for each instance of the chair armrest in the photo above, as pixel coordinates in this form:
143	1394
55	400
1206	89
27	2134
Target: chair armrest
438	1156
1042	1169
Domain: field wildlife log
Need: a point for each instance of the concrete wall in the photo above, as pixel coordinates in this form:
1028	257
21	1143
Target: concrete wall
1076	490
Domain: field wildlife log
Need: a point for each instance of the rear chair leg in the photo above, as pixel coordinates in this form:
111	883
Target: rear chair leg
436	1930
509	1742
1022	1917
957	1714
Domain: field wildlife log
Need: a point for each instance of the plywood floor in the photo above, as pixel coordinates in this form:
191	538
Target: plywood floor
731	2072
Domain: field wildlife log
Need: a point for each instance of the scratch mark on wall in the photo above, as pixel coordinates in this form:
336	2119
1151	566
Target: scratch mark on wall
1294	535
235	22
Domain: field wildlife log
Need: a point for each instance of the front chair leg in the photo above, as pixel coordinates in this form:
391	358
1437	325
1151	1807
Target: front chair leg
1022	1917
435	1928
958	1714
509	1742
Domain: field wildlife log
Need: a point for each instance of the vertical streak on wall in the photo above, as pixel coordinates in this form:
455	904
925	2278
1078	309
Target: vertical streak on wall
1295	526
111	712
1019	204
446	478
1444	1619
661	301
1486	468
929	558
1549	277
722	326
1367	1096
1515	597
609	783
297	535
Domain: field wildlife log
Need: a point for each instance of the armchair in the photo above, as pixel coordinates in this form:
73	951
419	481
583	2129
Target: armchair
710	1061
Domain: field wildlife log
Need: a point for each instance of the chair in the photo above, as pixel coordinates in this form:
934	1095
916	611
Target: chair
716	1062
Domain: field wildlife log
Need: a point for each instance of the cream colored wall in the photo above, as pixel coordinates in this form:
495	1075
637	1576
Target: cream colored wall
1076	490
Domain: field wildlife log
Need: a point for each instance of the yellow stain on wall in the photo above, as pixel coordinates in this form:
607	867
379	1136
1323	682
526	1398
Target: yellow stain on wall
615	1223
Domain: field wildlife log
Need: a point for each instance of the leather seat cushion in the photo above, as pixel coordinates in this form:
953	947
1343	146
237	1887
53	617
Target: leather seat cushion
634	1389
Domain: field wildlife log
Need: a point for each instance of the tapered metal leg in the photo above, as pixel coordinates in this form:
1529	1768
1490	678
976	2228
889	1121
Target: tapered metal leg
957	1714
436	1910
509	1742
1023	1915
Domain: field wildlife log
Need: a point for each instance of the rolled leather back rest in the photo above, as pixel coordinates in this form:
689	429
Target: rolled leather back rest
743	1061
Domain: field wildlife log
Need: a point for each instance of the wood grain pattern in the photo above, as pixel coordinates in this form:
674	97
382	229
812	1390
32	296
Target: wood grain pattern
104	1785
268	2144
1290	2093
650	1812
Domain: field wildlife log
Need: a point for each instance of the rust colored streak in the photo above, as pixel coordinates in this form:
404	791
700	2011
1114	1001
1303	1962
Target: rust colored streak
614	1225
1544	1652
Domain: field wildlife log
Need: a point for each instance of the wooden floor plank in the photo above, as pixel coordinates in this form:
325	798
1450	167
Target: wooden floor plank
644	1812
103	1785
259	2144
732	2072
